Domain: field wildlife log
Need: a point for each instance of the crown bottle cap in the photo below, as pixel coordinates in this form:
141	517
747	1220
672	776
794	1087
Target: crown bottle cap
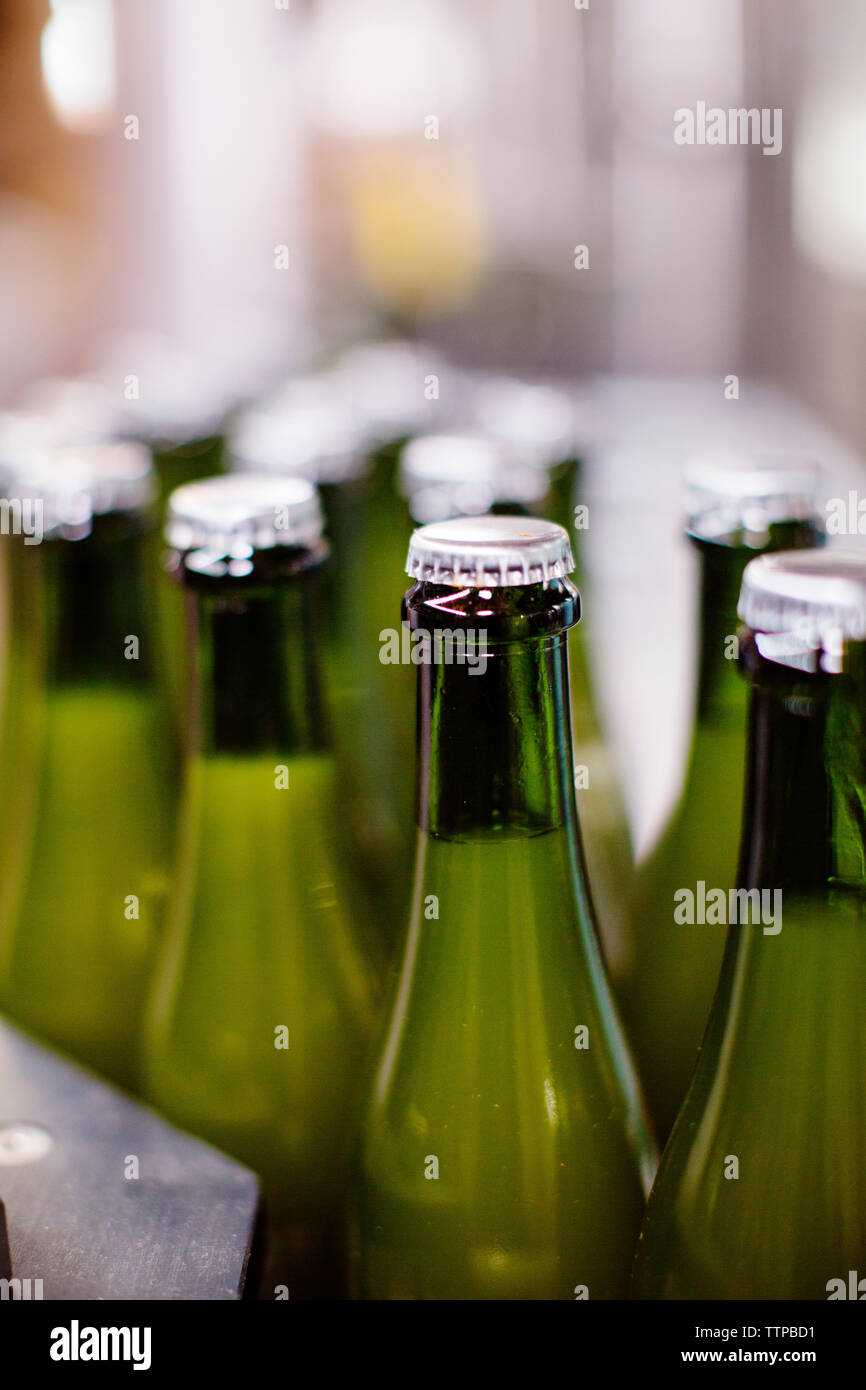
490	552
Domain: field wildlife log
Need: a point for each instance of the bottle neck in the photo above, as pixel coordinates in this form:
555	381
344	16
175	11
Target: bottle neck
95	602
198	457
804	827
253	659
720	685
494	728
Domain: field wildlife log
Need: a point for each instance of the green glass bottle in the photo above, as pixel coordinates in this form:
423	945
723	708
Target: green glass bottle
306	430
264	998
442	476
342	429
177	403
147	389
504	1154
458	474
309	429
396	389
86	755
760	1192
545	423
738	507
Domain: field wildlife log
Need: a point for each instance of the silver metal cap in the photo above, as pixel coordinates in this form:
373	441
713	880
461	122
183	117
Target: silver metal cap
729	493
484	552
537	418
218	523
805	605
74	484
304	430
449	475
390	387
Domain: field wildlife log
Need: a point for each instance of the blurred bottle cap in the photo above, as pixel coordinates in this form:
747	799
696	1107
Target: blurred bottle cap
218	523
394	388
73	484
305	430
728	494
449	475
538	418
166	394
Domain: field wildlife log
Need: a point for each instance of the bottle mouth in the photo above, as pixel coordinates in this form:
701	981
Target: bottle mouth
736	499
193	567
493	616
780	534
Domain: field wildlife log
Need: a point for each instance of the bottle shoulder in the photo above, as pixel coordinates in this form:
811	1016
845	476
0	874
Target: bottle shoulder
758	1193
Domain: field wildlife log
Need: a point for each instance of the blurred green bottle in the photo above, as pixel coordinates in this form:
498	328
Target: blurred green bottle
760	1192
341	429
545	423
147	389
309	430
263	1000
738	507
504	1154
396	389
86	754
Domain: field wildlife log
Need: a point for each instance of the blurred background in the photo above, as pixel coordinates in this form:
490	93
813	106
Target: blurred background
270	181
